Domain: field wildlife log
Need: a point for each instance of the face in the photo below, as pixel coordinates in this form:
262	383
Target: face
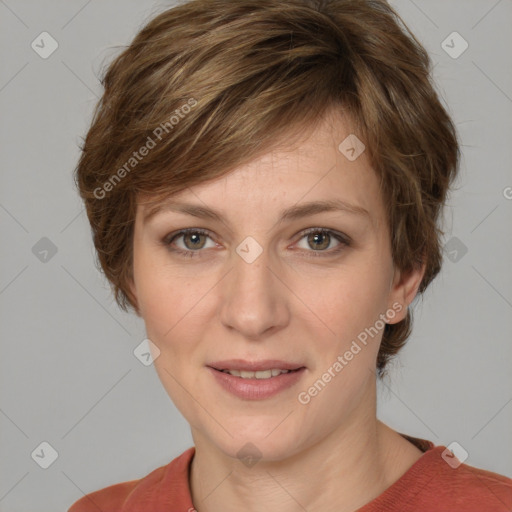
250	288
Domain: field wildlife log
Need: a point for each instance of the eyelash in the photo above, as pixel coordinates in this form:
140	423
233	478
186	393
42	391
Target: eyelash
343	239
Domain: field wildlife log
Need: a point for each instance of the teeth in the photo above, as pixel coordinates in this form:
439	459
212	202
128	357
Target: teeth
262	374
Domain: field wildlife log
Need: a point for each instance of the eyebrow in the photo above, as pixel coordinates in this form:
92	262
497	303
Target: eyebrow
295	212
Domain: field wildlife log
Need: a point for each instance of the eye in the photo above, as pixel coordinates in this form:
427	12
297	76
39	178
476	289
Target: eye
318	242
192	240
321	240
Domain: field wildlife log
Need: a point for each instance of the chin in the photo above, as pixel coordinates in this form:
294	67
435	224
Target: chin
261	442
250	451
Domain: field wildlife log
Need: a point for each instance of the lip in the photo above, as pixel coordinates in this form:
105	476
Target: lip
257	389
254	366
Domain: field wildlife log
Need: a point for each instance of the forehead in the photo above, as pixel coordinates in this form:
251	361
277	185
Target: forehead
308	165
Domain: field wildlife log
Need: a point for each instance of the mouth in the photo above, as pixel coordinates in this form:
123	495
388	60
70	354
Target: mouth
263	369
261	374
256	380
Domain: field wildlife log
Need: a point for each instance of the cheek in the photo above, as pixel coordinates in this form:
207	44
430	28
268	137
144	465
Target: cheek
350	301
168	314
161	291
172	306
345	354
171	310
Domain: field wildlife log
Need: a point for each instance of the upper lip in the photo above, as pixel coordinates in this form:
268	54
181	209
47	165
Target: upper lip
254	366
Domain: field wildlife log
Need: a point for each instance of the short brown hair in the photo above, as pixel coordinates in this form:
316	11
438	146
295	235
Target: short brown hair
227	79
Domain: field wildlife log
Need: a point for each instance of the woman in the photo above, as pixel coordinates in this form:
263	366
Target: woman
264	181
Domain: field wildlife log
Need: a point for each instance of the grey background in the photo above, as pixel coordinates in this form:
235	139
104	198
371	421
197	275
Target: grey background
68	373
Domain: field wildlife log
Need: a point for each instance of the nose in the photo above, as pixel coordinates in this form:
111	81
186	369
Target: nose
254	299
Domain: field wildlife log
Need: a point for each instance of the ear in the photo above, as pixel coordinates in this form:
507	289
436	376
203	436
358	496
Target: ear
403	290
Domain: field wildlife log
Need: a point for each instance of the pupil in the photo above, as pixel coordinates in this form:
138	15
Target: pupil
195	239
318	238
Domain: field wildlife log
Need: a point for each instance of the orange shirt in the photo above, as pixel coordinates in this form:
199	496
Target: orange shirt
429	485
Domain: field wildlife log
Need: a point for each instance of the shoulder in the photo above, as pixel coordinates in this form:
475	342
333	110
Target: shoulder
448	483
110	498
130	495
477	487
439	482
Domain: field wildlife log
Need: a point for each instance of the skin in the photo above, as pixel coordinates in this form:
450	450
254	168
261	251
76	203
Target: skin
289	305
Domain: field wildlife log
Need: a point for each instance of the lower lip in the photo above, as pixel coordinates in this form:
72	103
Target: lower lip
257	389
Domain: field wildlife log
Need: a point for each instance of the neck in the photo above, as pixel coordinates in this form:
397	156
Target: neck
343	471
